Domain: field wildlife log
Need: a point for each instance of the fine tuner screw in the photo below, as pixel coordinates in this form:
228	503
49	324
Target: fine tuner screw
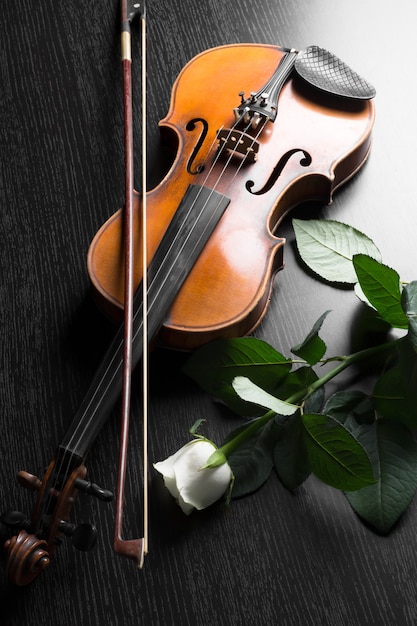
263	98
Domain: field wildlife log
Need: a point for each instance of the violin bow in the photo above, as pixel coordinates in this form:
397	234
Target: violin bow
132	548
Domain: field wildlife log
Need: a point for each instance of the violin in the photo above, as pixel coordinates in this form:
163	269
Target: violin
281	142
256	130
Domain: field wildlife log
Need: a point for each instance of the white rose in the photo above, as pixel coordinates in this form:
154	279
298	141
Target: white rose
186	478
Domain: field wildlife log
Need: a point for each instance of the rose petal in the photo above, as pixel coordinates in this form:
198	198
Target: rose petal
186	508
200	487
171	485
166	468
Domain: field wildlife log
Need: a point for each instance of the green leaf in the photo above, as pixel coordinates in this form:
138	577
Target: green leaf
215	365
314	403
382	288
409	304
313	347
334	454
300	380
248	391
297	380
347	405
252	462
290	454
395	392
390	397
328	247
394	456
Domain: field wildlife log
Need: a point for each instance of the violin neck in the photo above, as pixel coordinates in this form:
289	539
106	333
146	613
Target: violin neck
101	397
192	225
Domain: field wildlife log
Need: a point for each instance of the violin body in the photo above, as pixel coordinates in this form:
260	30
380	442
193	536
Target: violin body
316	143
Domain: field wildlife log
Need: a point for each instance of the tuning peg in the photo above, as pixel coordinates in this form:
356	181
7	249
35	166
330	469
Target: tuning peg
93	490
15	520
83	536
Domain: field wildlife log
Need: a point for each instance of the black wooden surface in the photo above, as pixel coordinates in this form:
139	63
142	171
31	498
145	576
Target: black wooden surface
276	557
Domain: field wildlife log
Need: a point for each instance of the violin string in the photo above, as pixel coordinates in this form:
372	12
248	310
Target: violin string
232	153
156	276
192	208
254	141
188	215
77	435
212	189
215	161
60	472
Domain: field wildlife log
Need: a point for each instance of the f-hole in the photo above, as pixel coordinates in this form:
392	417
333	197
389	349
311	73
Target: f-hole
305	161
190	127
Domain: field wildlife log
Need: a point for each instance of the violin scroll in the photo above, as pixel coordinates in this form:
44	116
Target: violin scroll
27	557
29	552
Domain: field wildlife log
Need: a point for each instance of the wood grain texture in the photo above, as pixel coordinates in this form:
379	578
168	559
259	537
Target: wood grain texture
275	558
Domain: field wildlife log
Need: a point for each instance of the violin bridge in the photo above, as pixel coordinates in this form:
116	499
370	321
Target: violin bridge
238	143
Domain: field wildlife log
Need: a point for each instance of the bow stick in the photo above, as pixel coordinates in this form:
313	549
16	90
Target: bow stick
133	548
